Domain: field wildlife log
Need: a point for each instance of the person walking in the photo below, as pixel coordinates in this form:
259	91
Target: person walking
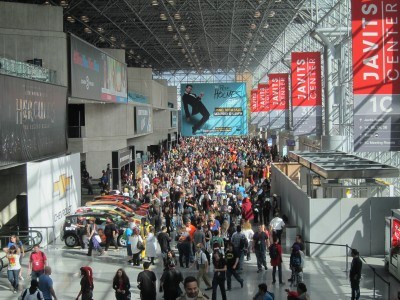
275	253
192	290
276	226
194	101
32	292
46	285
201	261
355	274
219	275
111	234
260	248
169	282
121	285
136	246
86	283
147	283
248	233
240	244
14	266
14	240
37	262
151	245
232	264
94	238
164	240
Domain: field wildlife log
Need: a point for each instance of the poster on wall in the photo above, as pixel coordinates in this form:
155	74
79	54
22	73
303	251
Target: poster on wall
143	120
174	119
306	93
95	75
54	191
376	75
33	120
279	100
264	105
214	109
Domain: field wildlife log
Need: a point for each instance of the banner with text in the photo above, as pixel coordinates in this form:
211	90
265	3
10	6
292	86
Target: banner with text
306	93
54	191
221	111
254	106
279	100
33	120
95	75
264	105
376	75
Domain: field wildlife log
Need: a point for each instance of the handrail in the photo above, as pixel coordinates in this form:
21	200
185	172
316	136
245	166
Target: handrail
347	263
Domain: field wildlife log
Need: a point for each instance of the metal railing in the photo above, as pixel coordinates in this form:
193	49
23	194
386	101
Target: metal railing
26	70
348	249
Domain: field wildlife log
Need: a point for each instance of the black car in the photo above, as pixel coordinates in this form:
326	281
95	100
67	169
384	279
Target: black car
69	232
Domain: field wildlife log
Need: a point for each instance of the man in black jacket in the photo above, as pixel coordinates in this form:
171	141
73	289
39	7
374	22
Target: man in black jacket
355	274
197	107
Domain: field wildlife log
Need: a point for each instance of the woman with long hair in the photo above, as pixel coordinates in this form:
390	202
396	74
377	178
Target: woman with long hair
151	245
86	283
121	285
14	266
14	240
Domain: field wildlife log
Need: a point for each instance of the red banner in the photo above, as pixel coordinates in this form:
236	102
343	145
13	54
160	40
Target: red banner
254	101
278	91
376	55
306	79
263	97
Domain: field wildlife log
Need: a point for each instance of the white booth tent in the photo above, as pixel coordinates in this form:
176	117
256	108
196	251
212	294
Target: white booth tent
335	198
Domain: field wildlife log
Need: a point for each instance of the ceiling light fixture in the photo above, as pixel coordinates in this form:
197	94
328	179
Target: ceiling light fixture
271	14
179	44
253	26
123	45
177	16
163	16
100	29
175	37
101	39
154	3
87	30
169	28
64	3
186	36
257	14
113	38
85	19
70	19
182	28
131	51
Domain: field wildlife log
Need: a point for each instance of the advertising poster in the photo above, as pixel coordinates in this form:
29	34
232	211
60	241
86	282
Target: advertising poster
33	121
96	75
54	191
376	75
306	93
221	111
174	119
395	239
143	120
279	99
254	106
264	105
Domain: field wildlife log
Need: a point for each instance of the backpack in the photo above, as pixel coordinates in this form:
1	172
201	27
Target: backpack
26	292
215	243
207	255
244	243
273	251
296	261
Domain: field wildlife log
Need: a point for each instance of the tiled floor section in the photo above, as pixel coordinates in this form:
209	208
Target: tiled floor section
325	278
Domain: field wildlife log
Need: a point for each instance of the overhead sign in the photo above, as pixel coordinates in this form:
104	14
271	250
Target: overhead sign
254	112
95	75
306	93
279	100
33	120
264	105
376	75
174	119
222	111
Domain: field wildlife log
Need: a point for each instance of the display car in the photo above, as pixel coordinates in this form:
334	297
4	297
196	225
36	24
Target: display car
111	209
70	230
120	204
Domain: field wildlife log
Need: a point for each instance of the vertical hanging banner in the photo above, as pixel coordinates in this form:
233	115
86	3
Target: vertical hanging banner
263	104
306	93
279	100
376	74
254	106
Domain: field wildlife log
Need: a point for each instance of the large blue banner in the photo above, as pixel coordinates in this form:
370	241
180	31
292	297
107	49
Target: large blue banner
214	109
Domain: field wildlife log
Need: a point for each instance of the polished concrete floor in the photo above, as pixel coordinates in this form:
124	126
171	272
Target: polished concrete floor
325	278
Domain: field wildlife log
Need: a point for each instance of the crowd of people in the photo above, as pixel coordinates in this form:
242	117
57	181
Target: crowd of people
210	208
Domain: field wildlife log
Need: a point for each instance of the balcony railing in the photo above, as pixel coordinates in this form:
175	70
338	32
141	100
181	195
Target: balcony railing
26	70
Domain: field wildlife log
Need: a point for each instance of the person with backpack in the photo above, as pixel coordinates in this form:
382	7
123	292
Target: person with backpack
202	261
86	283
37	262
240	244
260	239
296	265
217	242
275	253
219	275
33	292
